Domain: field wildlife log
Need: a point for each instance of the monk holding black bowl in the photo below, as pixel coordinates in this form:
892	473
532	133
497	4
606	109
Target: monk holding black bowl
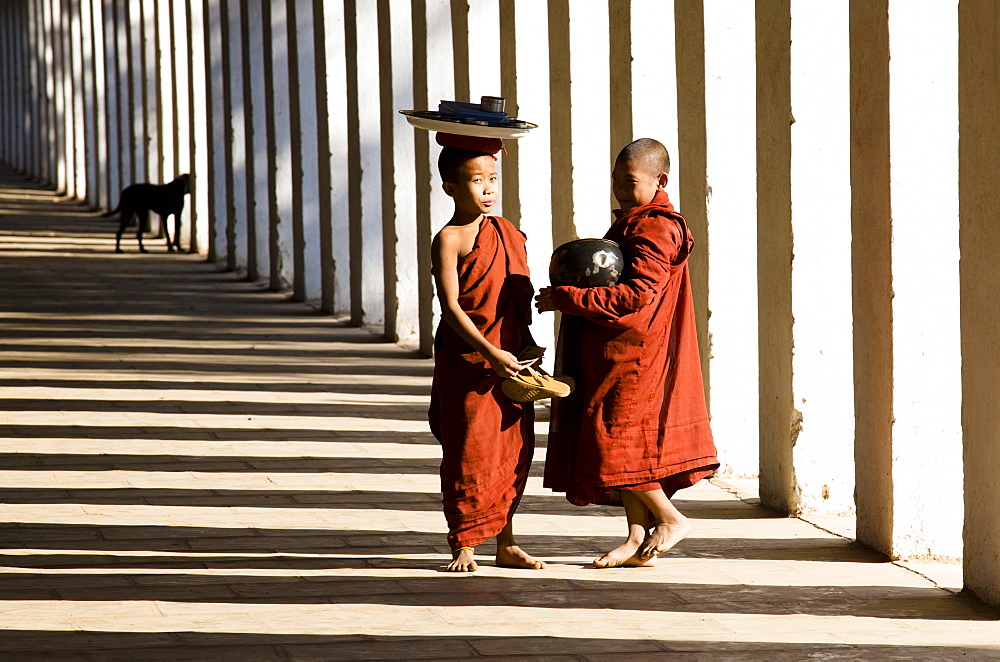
636	429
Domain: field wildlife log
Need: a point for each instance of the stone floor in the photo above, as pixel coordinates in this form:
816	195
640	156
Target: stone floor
194	468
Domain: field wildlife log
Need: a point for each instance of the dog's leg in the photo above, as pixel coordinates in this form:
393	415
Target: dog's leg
165	224
177	231
143	217
126	216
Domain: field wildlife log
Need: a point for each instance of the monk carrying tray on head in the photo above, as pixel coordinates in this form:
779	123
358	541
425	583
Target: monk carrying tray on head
636	430
487	440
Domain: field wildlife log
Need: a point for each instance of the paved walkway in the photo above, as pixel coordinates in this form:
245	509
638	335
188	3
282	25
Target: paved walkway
194	468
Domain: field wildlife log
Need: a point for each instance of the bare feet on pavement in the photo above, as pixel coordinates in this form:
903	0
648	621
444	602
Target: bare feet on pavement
463	560
663	537
625	555
512	556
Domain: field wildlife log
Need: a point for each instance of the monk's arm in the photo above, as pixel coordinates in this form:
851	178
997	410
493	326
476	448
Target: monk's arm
444	261
650	255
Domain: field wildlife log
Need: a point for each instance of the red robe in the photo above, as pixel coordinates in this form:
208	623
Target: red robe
638	415
487	440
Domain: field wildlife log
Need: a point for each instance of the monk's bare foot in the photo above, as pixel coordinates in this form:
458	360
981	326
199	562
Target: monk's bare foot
625	555
512	556
663	537
463	560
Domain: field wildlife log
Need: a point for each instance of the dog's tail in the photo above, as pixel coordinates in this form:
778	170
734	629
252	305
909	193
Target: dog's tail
112	212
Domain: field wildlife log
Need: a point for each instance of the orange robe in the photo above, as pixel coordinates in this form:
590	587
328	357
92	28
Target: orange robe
638	415
487	440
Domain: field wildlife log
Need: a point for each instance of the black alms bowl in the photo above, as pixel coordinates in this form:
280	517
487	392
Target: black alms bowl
586	263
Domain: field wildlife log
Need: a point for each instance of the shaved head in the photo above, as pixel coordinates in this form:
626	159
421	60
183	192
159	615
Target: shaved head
650	154
452	159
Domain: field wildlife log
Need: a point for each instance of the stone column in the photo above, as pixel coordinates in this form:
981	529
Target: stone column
91	135
871	272
731	232
180	70
236	166
52	95
309	287
433	80
399	230
75	99
354	188
166	93
979	209
112	92
249	25
807	462
201	104
334	190
282	249
217	92
6	74
368	128
774	253
259	219
151	92
690	177
123	69
95	101
137	96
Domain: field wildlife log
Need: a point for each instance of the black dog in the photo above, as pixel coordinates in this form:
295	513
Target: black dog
140	199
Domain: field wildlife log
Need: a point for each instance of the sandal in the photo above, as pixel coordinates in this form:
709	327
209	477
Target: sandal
535	384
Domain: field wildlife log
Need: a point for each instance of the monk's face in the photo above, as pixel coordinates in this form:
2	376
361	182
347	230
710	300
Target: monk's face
633	184
476	187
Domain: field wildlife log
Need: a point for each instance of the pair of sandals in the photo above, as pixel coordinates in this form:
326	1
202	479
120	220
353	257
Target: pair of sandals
533	383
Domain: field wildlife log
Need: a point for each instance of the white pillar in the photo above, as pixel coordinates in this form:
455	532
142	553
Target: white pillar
112	93
200	101
167	92
336	100
590	104
283	246
369	143
528	98
927	438
137	97
732	238
95	99
126	116
151	93
305	49
52	96
218	181
822	365
238	114
260	215
183	117
398	180
83	24
654	83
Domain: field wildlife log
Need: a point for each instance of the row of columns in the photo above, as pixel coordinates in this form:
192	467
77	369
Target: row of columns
831	164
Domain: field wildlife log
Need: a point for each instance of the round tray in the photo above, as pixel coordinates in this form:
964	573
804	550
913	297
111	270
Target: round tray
434	121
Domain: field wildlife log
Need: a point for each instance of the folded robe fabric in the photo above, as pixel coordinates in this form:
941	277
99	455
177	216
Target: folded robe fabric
638	414
487	440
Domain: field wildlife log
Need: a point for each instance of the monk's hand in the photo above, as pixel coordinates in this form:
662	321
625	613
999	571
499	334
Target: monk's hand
543	301
504	363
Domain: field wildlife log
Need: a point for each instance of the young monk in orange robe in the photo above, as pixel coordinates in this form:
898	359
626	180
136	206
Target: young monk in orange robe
487	440
636	430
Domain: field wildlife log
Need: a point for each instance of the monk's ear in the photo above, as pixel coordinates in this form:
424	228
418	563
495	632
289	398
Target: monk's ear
661	180
449	188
